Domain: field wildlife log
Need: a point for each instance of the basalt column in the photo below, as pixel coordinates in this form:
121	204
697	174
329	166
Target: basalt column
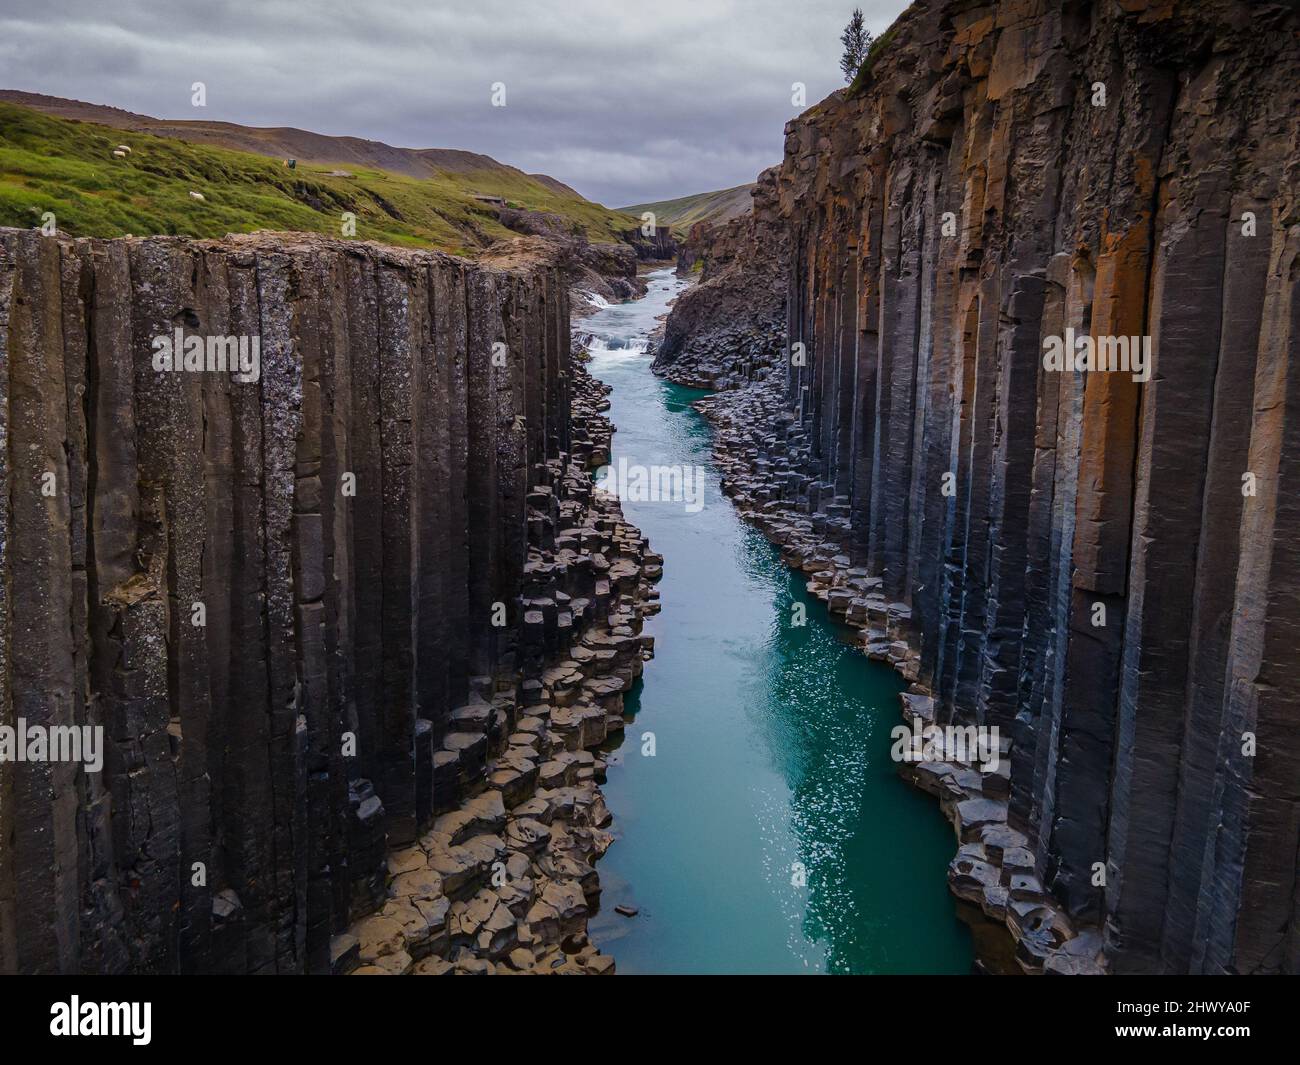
1100	559
268	588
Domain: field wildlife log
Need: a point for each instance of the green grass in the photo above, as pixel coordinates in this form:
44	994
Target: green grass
66	166
682	213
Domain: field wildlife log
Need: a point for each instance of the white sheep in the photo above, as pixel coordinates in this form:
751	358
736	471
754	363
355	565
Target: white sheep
119	155
125	149
196	196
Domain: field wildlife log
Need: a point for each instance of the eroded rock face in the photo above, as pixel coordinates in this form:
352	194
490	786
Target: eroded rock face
277	596
729	328
606	269
1104	568
657	247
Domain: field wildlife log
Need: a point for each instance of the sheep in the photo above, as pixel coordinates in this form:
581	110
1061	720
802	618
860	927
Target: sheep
124	149
196	196
119	155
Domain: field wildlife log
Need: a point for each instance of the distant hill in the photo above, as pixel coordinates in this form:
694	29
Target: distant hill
682	213
283	142
57	155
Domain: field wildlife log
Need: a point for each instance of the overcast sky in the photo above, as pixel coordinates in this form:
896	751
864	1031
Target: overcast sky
627	102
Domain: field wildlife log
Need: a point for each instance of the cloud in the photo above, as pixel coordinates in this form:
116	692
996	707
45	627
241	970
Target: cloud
626	102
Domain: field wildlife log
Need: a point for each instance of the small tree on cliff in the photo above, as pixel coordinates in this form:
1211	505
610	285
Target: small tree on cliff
856	40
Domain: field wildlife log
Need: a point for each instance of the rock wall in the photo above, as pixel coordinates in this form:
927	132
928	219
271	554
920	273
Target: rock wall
660	246
729	328
270	595
504	879
604	268
1107	569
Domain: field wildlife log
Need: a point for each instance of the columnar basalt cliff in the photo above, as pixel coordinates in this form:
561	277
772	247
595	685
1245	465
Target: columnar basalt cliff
308	609
729	329
1103	567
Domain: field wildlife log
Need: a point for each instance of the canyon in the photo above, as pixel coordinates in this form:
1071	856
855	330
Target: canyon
1103	569
350	642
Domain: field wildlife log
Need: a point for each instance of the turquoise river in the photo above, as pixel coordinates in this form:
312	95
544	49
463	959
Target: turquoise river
769	832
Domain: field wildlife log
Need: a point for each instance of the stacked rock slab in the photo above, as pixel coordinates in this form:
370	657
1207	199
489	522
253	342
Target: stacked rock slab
764	472
1106	569
350	524
504	878
729	328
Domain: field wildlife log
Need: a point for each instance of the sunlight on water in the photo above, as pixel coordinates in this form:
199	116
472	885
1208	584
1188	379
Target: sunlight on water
772	744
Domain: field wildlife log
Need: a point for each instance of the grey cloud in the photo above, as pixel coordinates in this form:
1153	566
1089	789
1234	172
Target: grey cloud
626	102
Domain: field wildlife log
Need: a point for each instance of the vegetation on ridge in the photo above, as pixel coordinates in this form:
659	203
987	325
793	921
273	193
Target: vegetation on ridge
682	213
876	50
68	167
856	39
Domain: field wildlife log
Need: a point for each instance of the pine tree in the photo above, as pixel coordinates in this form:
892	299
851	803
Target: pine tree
856	40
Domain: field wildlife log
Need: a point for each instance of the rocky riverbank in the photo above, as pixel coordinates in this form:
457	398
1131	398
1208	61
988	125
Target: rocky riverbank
1094	559
764	456
352	621
504	879
608	270
729	328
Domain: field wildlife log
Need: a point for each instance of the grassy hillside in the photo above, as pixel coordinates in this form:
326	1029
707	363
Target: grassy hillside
283	142
682	213
67	166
